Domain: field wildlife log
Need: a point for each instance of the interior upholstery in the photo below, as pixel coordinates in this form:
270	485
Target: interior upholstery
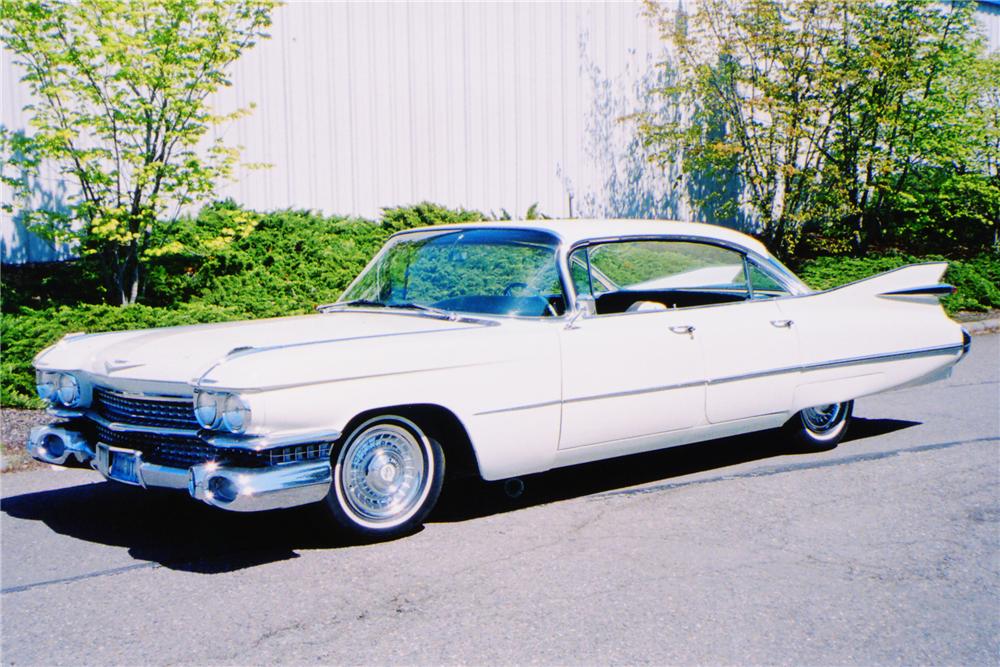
621	301
645	307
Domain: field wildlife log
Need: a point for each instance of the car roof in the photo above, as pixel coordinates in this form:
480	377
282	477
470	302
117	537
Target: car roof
571	232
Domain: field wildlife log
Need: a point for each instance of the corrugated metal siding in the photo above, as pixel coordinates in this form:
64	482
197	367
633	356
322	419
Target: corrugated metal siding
484	105
988	14
490	106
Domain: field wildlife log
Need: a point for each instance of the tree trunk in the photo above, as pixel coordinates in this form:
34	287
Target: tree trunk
122	274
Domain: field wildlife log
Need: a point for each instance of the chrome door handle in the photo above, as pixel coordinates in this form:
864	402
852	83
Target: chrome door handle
782	324
683	329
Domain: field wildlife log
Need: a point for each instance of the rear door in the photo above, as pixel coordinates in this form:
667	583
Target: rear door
751	353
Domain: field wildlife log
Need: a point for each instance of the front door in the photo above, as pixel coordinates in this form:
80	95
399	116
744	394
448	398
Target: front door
630	375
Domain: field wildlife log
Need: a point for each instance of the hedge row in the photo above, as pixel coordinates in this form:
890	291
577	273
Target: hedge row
230	264
977	280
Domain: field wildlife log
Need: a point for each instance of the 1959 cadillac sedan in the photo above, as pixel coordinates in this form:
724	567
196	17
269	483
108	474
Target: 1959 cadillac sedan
499	349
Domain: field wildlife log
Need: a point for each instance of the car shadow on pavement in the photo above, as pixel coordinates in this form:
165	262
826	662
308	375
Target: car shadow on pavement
169	529
474	498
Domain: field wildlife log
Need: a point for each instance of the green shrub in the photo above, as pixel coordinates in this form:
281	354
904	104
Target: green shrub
226	263
24	334
425	214
977	280
276	263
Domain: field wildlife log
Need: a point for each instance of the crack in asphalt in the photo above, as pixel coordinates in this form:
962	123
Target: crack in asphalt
79	577
792	467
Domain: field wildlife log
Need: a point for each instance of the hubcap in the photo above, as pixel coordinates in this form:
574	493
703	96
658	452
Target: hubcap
823	418
383	473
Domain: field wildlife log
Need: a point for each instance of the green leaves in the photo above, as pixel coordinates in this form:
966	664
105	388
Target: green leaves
122	105
825	112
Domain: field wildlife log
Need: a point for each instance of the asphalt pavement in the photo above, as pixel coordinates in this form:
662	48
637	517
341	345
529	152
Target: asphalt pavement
885	550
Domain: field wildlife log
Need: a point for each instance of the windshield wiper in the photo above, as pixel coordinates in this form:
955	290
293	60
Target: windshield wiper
409	305
356	302
405	305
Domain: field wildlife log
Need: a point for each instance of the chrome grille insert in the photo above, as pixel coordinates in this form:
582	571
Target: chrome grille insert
295	453
172	412
178	445
179	451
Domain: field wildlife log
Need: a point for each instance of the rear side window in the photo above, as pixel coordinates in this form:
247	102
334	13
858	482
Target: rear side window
763	285
652	265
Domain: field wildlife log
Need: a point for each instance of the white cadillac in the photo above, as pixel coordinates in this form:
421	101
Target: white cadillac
500	348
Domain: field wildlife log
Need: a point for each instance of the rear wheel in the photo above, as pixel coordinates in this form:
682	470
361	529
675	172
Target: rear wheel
823	426
387	476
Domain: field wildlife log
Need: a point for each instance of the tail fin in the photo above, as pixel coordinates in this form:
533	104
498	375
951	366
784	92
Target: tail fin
915	280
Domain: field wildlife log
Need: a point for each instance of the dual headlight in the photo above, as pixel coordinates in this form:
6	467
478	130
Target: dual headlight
59	388
228	411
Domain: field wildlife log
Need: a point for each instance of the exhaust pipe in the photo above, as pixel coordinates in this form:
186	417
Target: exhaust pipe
54	444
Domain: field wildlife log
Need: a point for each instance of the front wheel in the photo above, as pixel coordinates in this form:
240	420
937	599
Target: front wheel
387	476
823	426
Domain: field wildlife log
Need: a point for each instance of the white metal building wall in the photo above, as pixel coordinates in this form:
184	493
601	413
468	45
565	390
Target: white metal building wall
482	105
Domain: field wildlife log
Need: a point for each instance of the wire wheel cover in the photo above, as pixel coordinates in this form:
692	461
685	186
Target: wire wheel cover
823	418
383	473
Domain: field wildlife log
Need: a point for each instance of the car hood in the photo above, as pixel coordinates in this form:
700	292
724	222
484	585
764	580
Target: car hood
182	354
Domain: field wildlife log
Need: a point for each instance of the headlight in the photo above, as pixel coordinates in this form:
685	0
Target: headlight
45	385
236	414
206	409
69	390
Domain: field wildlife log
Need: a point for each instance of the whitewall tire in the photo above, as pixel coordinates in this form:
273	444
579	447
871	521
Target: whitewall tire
387	476
822	426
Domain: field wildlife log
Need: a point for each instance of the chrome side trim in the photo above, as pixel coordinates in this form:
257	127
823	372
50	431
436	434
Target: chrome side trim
259	442
528	406
203	378
277	387
940	289
636	392
835	363
594	397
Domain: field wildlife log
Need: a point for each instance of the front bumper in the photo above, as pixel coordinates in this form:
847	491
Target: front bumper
227	487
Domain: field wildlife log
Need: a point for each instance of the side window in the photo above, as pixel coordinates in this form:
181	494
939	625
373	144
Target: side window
582	280
639	265
763	285
645	275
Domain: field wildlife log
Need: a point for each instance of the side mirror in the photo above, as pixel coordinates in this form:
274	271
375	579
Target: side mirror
586	303
586	306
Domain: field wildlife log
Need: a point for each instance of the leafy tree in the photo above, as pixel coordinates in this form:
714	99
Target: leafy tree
121	105
825	112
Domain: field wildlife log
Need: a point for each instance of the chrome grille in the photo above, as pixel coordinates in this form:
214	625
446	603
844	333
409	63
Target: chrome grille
179	451
295	453
170	413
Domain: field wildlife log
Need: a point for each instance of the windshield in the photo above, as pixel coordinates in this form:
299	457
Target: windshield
482	271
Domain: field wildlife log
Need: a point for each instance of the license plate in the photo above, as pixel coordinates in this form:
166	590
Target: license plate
123	467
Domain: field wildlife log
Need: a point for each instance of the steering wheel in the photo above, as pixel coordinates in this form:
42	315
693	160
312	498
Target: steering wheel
507	291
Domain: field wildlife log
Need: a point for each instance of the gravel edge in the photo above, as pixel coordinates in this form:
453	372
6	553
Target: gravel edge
14	427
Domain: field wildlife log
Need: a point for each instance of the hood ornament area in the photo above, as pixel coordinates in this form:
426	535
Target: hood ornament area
115	365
